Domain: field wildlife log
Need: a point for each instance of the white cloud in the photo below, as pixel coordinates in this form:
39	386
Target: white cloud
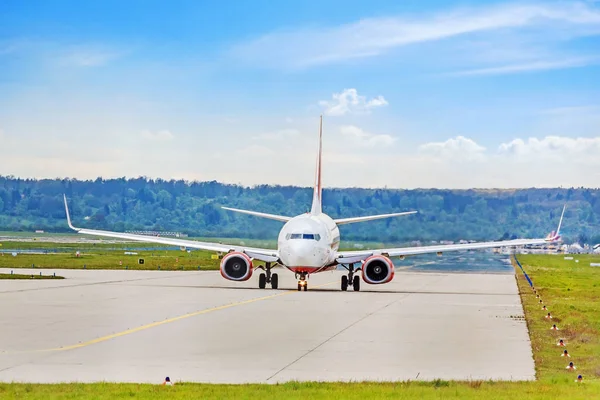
460	148
367	139
552	147
278	135
350	101
370	37
571	110
87	56
158	136
256	150
530	67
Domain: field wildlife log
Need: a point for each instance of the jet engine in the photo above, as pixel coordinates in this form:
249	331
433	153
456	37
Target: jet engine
236	266
377	269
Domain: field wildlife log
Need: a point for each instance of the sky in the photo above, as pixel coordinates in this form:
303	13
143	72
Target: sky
414	94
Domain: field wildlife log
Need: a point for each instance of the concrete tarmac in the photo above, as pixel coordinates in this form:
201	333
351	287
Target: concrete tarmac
140	326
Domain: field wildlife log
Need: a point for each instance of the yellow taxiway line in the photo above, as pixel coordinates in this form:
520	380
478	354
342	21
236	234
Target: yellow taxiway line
158	323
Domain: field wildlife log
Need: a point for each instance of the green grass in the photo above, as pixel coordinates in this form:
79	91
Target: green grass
30	276
104	256
114	259
303	391
570	290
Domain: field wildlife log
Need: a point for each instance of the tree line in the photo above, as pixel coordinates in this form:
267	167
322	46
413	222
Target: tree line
194	208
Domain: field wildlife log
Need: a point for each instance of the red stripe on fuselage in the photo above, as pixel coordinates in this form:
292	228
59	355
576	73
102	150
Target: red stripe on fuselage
311	270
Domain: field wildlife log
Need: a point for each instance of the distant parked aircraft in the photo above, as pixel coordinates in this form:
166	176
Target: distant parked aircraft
309	243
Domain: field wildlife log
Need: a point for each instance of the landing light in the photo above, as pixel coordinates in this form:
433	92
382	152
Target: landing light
302	283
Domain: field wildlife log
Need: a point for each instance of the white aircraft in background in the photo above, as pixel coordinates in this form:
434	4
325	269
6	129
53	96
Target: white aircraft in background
309	243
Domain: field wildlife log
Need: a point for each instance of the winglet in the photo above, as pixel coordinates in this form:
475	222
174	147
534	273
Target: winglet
68	216
555	236
560	222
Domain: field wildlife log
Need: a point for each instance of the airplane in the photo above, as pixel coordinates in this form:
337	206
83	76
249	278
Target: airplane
309	243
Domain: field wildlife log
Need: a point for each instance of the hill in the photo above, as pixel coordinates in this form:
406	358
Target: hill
194	208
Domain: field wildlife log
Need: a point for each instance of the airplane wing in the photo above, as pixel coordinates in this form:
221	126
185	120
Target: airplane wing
342	221
280	218
267	255
346	257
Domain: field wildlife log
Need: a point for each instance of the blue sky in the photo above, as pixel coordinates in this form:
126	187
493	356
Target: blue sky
414	93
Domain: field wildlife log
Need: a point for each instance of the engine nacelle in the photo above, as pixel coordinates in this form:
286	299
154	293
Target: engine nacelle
236	266
378	269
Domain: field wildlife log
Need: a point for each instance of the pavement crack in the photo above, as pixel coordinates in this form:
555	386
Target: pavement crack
337	334
405	295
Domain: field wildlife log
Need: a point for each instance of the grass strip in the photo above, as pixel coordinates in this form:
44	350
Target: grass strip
30	276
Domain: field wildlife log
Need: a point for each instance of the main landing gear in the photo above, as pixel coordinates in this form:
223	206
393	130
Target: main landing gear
267	277
350	279
302	282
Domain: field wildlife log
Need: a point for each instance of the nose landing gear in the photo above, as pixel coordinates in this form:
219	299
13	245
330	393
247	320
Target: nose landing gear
351	278
267	277
302	282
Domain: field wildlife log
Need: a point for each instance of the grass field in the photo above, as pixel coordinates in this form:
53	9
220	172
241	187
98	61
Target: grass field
302	391
571	293
30	276
102	258
570	290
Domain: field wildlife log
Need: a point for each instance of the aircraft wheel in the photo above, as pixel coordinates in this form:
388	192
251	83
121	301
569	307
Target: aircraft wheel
344	283
356	284
274	281
305	286
262	281
299	286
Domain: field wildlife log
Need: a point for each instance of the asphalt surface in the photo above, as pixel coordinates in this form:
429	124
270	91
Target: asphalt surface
140	326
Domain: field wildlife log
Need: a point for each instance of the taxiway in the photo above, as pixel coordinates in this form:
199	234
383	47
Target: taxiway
140	326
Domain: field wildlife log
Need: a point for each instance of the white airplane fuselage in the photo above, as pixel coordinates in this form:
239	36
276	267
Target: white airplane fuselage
308	243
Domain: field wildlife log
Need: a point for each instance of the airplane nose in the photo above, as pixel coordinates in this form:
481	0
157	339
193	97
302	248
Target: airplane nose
303	254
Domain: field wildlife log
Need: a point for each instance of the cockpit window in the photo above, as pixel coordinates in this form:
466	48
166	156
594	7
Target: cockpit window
307	236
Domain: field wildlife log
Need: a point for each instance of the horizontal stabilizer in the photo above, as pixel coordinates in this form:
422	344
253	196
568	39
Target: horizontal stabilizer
259	214
343	221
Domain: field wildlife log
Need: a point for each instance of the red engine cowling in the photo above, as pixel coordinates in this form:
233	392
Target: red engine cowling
236	266
378	269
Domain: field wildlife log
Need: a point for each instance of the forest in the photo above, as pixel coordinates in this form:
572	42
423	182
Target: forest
194	208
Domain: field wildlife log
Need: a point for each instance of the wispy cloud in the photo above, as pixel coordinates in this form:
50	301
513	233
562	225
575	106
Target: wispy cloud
370	37
530	67
571	110
82	56
349	101
282	134
366	139
158	136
